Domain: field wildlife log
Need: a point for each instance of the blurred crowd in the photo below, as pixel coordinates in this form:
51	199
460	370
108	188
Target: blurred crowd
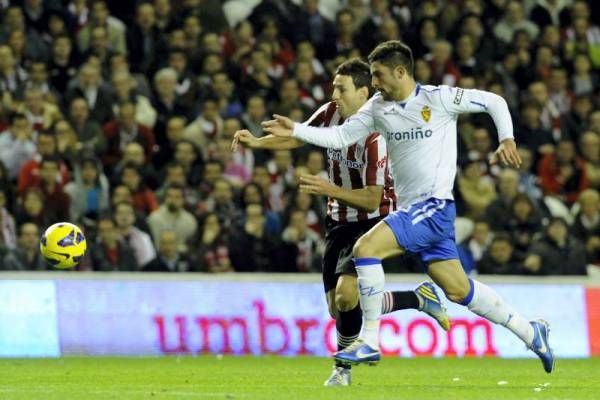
119	115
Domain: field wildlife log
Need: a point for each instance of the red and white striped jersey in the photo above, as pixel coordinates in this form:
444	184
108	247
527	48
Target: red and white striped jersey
361	164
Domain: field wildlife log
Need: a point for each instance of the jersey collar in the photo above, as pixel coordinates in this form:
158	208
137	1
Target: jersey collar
411	96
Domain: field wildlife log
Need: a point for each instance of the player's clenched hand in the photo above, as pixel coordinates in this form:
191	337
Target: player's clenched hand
279	126
507	154
314	184
243	137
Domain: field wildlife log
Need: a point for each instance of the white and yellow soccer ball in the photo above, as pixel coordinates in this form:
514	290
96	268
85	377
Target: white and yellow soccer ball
63	245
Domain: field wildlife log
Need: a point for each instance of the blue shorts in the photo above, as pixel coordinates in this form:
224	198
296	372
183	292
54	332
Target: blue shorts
426	228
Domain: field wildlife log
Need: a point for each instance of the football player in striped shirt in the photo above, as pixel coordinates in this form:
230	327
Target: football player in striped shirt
360	193
418	123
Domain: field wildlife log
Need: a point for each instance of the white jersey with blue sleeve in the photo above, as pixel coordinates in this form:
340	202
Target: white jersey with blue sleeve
420	133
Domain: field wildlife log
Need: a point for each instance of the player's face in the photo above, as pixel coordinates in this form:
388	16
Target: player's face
347	98
383	80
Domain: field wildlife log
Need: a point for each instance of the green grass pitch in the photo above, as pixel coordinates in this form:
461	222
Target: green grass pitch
229	377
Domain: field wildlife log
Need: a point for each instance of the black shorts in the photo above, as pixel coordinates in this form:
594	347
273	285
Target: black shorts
339	241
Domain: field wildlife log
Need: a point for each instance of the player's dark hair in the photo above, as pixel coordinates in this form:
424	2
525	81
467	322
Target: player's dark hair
392	54
359	71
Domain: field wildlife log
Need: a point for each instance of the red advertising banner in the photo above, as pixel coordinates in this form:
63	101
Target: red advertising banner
592	297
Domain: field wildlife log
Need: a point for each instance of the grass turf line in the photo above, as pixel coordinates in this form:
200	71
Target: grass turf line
208	377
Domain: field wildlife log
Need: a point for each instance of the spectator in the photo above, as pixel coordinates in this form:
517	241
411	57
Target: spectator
88	131
169	258
40	113
67	145
89	190
594	121
508	188
574	123
190	158
257	80
172	216
134	154
590	150
311	91
143	198
100	50
582	37
584	79
137	239
563	174
31	208
288	99
252	193
512	21
100	17
122	194
444	72
476	190
211	252
146	46
306	53
62	66
252	238
549	114
97	94
109	252
29	174
26	256
480	239
12	76
220	201
556	253
528	182
56	201
586	226
125	89
165	101
313	208
206	127
187	89
306	243
124	130
224	90
547	12
256	113
175	175
165	18
39	79
559	91
499	258
523	222
16	144
8	232
175	130
530	132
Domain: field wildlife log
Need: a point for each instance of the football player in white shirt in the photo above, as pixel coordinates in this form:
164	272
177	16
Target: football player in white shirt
360	195
419	126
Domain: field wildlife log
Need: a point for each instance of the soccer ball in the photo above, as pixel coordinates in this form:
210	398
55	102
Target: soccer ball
63	245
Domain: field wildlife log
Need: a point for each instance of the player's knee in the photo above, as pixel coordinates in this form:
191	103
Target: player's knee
362	249
456	294
331	306
346	299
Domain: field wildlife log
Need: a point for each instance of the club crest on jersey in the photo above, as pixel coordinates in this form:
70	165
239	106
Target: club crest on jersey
426	113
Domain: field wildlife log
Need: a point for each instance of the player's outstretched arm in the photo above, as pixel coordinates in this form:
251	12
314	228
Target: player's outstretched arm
248	140
366	199
352	130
